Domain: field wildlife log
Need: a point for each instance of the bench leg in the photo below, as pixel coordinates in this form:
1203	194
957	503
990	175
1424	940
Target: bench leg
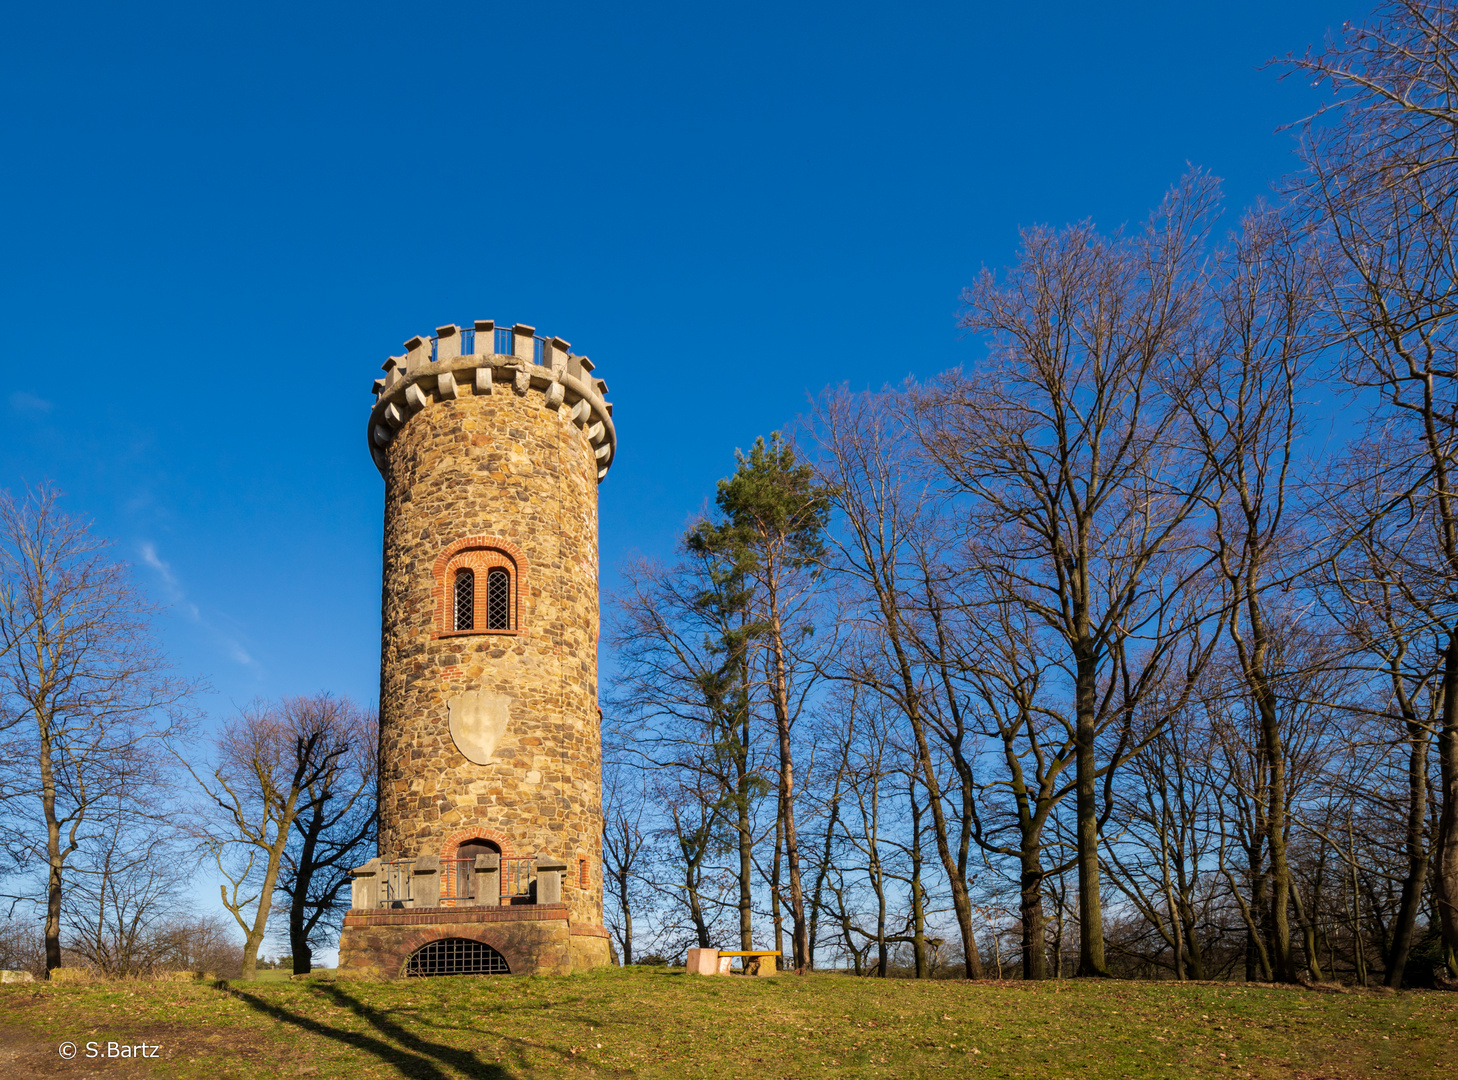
705	962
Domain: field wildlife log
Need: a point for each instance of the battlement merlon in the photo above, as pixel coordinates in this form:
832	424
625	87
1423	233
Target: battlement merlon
438	367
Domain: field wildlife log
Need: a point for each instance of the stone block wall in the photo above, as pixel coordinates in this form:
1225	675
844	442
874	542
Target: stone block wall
505	464
533	941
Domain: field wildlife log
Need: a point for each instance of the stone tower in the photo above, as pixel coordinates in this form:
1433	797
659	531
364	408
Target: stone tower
492	442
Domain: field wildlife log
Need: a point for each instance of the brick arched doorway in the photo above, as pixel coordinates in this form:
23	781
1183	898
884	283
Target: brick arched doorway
460	879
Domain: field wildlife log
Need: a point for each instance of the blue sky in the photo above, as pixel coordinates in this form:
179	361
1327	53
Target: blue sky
219	221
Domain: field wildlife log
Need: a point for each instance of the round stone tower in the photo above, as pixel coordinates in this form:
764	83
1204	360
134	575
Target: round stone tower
492	442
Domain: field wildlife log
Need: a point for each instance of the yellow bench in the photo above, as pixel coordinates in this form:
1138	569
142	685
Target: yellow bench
714	962
761	958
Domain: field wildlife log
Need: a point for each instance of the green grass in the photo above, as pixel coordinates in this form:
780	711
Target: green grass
275	975
658	1023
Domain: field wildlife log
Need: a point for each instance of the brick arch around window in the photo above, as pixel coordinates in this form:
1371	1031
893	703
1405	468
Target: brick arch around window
453	842
480	555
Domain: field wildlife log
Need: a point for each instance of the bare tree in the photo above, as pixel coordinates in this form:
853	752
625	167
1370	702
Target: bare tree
129	879
1397	644
85	696
883	550
335	826
685	692
271	766
999	656
624	851
1382	161
1240	396
1066	451
203	944
1164	858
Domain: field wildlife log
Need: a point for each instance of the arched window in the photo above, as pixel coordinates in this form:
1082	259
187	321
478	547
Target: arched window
465	600
498	599
480	588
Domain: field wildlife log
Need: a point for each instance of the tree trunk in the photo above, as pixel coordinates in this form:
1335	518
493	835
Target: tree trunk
1280	872
832	821
696	907
303	955
918	915
265	904
800	941
1308	934
1090	907
1445	884
1415	880
776	900
961	902
1030	903
54	859
627	919
746	863
744	781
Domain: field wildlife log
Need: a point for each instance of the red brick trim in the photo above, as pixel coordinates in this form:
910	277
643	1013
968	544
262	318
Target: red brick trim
453	842
480	553
456	916
588	930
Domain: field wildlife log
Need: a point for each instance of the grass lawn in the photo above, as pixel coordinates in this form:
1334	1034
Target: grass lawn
662	1023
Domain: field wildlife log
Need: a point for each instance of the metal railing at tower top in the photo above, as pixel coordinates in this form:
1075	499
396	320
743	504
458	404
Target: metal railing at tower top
503	343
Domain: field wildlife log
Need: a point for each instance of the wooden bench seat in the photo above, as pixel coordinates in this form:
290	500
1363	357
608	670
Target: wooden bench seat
718	961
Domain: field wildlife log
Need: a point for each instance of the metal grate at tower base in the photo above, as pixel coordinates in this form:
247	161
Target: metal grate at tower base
456	956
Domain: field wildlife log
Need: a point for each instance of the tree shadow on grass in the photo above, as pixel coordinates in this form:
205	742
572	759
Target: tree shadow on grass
415	1057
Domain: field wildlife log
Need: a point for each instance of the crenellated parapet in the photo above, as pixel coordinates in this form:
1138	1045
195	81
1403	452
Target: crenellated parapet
484	358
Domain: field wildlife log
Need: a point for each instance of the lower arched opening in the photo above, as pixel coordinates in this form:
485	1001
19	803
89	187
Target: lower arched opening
456	956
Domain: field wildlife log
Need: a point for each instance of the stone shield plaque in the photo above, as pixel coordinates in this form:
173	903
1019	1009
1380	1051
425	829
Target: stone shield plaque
478	721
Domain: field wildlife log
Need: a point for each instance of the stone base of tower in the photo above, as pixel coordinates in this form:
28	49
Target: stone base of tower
535	939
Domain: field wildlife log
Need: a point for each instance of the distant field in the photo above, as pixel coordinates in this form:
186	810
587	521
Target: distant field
655	1023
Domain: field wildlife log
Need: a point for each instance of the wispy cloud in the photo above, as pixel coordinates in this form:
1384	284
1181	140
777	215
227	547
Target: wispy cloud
177	596
152	559
21	401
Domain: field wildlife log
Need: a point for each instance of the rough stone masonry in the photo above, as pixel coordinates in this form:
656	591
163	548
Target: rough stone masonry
491	442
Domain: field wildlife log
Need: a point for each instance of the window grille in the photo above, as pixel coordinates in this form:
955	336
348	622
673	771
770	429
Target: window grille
465	600
456	956
498	600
